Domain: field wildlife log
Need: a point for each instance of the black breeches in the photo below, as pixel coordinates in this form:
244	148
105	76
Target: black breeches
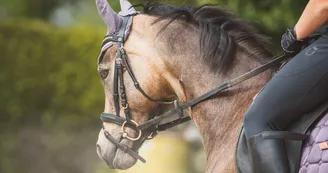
299	87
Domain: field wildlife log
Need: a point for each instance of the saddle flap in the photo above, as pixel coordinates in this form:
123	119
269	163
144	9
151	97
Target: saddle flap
293	148
242	161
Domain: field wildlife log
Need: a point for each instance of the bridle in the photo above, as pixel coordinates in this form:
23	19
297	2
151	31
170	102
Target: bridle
153	126
119	94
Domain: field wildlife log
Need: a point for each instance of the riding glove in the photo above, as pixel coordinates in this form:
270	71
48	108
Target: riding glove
290	44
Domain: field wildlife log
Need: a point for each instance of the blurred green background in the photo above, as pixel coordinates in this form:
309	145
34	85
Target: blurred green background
51	95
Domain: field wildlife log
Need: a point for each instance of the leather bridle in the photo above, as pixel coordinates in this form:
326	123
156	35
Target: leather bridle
154	125
119	95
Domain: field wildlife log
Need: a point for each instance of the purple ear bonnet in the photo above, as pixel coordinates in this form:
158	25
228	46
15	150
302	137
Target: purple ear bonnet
113	20
126	8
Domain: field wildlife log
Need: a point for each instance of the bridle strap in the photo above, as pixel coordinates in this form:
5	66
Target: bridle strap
168	125
118	65
136	83
115	92
216	90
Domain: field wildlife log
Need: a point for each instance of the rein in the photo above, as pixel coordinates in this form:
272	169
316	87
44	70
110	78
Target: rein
153	126
216	90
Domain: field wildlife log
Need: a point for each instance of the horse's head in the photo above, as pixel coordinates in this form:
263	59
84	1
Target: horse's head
136	81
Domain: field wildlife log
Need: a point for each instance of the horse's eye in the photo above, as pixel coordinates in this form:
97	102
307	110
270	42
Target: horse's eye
103	73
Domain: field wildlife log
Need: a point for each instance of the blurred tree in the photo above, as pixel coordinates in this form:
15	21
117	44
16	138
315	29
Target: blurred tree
271	17
43	74
33	8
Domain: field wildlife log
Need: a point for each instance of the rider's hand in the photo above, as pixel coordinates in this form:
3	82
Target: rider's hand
290	44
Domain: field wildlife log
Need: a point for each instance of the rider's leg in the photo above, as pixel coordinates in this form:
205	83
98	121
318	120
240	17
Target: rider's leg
298	87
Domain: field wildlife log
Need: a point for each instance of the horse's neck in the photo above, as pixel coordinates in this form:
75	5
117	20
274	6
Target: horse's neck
219	123
219	119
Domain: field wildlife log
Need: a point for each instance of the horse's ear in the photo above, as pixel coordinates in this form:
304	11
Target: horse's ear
127	8
108	15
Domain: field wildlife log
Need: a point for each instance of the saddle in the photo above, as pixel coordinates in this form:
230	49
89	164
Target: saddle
293	148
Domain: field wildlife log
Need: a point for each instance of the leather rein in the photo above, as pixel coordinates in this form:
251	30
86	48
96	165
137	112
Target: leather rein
153	126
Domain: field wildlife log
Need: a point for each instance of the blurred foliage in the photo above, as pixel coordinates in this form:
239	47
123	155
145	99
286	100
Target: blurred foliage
33	8
272	17
48	74
49	81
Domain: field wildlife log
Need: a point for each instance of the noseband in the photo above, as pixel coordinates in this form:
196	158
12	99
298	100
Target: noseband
154	125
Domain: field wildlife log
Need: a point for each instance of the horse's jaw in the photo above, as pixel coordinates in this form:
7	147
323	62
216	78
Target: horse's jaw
113	156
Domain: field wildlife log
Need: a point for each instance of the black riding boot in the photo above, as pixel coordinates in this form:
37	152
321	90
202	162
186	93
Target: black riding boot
268	155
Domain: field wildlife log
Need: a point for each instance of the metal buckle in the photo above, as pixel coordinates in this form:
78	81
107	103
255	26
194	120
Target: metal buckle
126	106
125	135
118	60
178	108
152	135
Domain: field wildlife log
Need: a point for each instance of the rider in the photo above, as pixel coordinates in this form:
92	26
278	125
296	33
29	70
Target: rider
297	88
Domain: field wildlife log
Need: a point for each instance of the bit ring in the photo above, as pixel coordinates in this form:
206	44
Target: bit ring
125	134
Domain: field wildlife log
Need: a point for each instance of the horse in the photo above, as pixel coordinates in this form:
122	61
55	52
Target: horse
166	56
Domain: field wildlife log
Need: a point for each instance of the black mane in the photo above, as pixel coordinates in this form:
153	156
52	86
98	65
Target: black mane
221	33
